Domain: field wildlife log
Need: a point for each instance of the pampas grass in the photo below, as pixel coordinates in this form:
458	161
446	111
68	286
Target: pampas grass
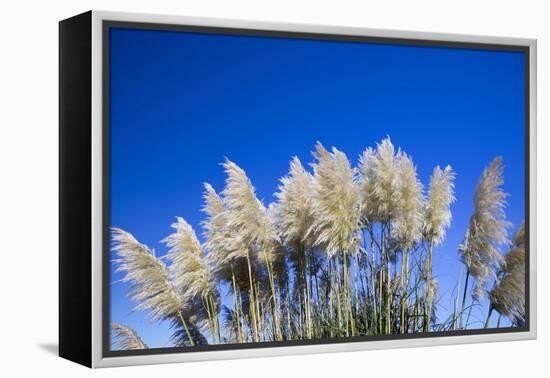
336	213
408	225
293	212
225	248
385	180
191	273
293	217
486	232
409	218
244	212
508	295
487	229
343	251
247	217
150	286
437	219
126	338
335	203
438	207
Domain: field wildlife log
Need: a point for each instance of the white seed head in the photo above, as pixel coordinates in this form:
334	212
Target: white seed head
294	204
245	212
225	249
366	181
247	217
438	207
487	229
379	182
125	338
409	220
293	213
508	297
336	204
189	268
151	288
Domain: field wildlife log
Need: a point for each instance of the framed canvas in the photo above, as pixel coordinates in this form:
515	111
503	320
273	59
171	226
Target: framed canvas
240	189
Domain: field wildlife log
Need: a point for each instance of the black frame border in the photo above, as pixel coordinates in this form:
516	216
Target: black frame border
105	321
75	180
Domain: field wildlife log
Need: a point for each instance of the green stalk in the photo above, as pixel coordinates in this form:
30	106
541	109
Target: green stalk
464	297
288	315
488	316
347	297
380	298
404	289
416	306
307	311
427	301
307	295
216	318
316	303
251	299
237	312
355	268
388	284
210	322
338	300
373	279
383	278
259	309
278	333
186	329
242	319
456	303
330	296
300	315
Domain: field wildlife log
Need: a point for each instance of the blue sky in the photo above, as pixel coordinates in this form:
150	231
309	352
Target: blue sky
181	102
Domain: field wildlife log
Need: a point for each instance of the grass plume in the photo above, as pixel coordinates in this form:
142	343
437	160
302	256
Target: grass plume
126	338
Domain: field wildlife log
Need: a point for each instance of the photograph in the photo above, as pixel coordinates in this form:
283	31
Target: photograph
270	190
209	188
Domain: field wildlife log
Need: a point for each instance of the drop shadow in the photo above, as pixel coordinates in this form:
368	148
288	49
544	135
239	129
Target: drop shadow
51	348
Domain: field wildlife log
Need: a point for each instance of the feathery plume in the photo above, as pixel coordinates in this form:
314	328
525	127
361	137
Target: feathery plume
189	269
386	183
214	208
245	213
487	229
367	179
379	182
226	250
438	207
213	226
277	247
292	214
515	258
148	276
126	338
409	219
335	203
508	297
